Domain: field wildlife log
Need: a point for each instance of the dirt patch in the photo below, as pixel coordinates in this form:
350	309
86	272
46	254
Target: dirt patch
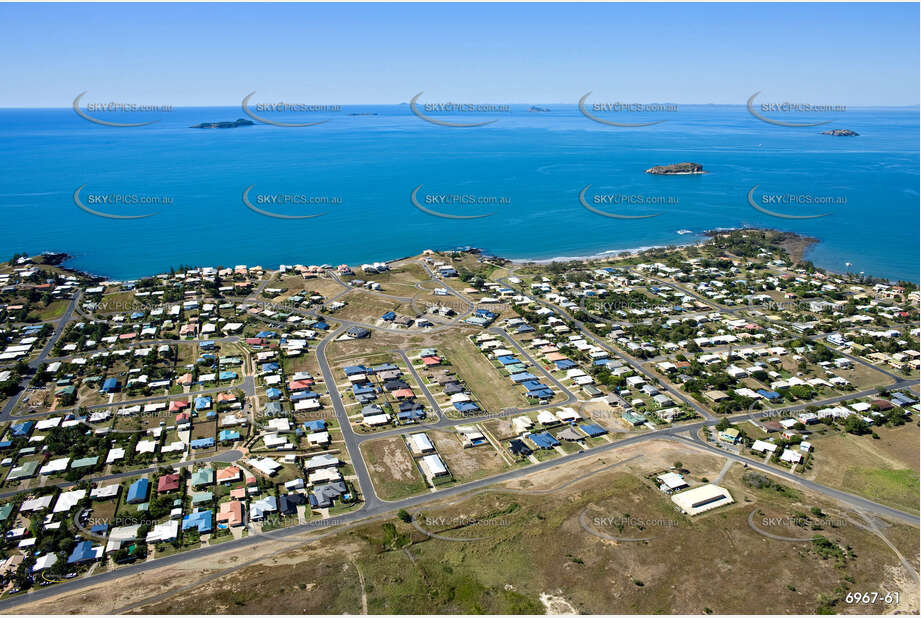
556	605
467	463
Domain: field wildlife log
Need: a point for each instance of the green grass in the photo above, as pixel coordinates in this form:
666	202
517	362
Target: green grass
896	487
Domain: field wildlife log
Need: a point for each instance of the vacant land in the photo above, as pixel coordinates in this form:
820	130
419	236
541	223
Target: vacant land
551	540
884	470
551	536
467	464
393	471
493	390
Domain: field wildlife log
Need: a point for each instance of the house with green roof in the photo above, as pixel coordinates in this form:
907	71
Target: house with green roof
86	462
205	476
26	470
5	511
200	497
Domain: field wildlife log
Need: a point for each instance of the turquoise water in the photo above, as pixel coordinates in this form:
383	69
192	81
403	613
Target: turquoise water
539	162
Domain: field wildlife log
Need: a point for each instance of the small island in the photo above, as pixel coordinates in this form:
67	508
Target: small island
677	169
841	133
239	122
534	108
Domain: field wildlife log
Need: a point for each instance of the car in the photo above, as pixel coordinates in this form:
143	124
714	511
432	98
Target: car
71	575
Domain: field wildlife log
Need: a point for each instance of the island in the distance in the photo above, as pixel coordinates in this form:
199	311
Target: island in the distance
534	108
677	168
841	133
239	122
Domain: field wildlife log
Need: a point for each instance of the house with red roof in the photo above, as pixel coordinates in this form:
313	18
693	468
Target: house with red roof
168	483
229	474
299	385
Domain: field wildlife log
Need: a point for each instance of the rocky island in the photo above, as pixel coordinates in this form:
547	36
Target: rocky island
239	122
841	133
534	108
676	169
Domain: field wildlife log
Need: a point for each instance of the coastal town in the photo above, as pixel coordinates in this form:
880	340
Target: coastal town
208	409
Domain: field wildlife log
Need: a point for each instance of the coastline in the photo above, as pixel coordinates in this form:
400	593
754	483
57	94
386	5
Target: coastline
797	246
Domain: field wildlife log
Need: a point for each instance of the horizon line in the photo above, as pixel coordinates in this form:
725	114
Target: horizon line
406	103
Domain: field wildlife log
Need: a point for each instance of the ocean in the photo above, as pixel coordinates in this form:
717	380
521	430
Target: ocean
526	171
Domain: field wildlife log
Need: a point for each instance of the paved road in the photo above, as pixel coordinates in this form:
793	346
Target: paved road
374	507
638	367
351	443
6	413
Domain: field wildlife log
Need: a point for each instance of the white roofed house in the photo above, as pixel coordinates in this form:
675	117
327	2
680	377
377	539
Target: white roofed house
761	446
433	467
791	456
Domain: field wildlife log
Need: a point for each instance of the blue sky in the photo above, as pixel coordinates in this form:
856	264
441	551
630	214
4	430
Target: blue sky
214	54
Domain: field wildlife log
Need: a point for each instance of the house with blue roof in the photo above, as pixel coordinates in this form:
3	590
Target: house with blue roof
200	520
137	491
206	345
202	443
110	385
543	440
362	389
84	552
508	360
21	430
390	316
592	430
100	529
352	370
769	395
202	403
228	435
273	393
321	325
383	367
524	376
564	364
270	367
265	334
315	425
227	375
465	407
